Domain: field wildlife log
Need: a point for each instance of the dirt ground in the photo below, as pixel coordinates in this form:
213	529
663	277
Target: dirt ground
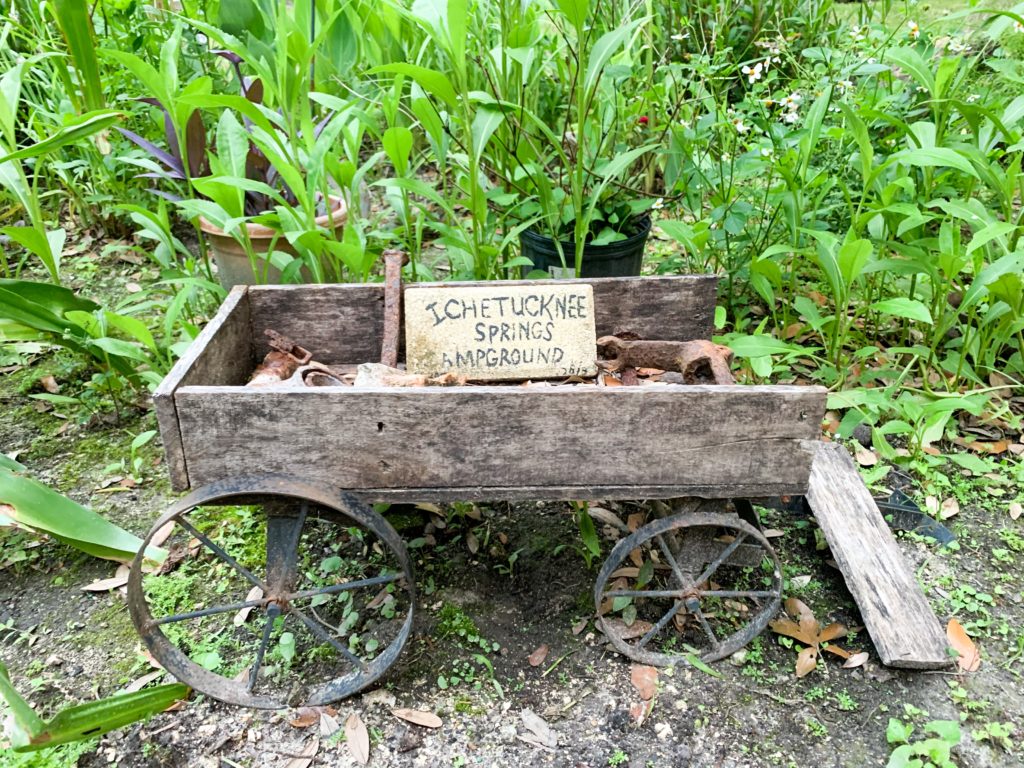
63	645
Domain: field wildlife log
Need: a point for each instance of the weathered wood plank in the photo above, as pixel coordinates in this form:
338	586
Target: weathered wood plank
221	354
899	619
345	323
693	440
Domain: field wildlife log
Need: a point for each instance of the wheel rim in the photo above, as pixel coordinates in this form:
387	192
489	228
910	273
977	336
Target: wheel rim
334	575
699	591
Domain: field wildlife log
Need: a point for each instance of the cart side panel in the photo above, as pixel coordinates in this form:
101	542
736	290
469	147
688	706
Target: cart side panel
220	355
345	323
510	442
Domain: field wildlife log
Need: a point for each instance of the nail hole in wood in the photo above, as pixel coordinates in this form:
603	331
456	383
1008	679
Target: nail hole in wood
380	426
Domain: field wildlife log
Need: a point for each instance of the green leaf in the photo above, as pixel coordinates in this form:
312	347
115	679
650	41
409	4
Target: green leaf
432	81
759	345
934	157
898	732
971	462
914	64
42	509
947	730
911	309
75	21
485	123
606	46
589	533
41	305
26	723
576	11
397	142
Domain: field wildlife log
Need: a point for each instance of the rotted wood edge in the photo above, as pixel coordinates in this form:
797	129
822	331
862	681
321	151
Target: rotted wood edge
195	364
905	631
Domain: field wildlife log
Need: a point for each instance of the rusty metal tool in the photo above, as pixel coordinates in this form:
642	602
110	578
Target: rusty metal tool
393	263
700	362
283	359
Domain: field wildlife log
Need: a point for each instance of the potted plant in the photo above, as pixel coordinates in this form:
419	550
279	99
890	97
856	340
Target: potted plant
260	190
584	189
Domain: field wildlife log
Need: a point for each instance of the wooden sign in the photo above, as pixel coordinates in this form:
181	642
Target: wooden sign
500	332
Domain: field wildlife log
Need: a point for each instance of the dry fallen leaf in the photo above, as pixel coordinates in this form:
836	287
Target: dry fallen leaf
50	384
418	717
105	585
329	725
254	594
540	733
866	457
806	661
142	682
472	543
857	660
638	712
305	717
305	758
644	679
1015	510
358	739
579	626
931	505
537	657
949	508
970	658
637	629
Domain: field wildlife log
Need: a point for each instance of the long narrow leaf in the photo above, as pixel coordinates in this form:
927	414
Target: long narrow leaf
77	129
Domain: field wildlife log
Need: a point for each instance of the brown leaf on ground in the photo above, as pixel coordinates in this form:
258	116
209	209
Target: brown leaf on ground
358	739
866	457
970	657
1015	510
579	626
537	657
806	661
142	682
105	585
418	717
857	660
305	758
638	712
644	679
637	629
305	717
949	508
254	594
472	543
329	724
540	733
981	446
49	384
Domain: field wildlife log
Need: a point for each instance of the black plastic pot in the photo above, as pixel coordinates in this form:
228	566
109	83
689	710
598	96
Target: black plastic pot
620	259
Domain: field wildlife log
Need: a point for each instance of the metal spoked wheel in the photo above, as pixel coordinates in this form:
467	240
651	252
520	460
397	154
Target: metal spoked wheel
277	593
697	584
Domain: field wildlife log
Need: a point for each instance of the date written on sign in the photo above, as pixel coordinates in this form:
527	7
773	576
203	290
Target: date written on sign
501	332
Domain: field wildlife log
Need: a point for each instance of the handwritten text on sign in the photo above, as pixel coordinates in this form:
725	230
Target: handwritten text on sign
501	332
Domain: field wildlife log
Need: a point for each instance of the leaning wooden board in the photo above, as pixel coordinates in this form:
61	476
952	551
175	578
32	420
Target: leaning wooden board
897	615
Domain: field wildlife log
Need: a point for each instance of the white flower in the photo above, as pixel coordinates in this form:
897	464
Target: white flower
844	85
658	204
1018	27
739	126
753	73
856	33
790	117
766	152
971	98
680	36
913	30
200	38
958	46
791	102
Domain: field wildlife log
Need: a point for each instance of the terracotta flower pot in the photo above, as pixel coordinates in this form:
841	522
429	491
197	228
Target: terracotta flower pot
233	267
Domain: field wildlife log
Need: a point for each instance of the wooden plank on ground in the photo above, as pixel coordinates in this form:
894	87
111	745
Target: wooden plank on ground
902	625
696	440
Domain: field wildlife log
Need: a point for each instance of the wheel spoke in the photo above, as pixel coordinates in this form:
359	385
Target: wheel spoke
722	557
384	578
660	625
222	554
672	562
273	611
208	612
736	593
319	631
676	593
693	606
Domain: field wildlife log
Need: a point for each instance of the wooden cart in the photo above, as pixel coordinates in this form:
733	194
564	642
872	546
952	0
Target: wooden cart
702	579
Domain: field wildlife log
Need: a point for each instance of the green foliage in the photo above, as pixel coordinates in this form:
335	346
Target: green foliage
932	752
28	732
